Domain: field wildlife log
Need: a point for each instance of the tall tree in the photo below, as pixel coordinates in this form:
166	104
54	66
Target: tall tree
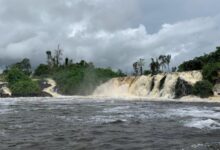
162	59
141	64
167	60
58	55
135	67
49	58
154	66
66	61
24	66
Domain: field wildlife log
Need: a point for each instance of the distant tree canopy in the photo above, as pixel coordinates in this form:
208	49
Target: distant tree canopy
199	62
23	66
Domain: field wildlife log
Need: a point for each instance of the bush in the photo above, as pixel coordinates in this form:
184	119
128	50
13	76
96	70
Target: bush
210	71
25	88
203	89
14	75
20	84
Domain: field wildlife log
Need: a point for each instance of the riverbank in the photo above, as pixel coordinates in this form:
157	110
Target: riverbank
61	98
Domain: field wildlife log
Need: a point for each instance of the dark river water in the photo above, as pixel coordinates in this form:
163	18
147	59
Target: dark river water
84	123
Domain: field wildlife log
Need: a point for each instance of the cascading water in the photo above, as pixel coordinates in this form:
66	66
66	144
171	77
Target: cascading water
161	85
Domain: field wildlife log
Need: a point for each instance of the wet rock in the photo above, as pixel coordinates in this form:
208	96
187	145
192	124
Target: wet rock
182	88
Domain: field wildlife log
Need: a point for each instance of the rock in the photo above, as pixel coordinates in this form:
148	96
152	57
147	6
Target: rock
216	89
182	88
5	92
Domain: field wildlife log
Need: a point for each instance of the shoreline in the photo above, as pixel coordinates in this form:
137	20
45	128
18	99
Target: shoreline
189	99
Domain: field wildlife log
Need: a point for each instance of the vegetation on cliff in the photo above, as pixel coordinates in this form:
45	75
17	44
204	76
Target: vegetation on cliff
21	84
203	89
209	64
74	78
199	62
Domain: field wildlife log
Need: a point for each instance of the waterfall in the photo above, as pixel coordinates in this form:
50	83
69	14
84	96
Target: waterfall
161	85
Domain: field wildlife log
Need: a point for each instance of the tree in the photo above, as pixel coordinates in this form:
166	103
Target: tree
210	72
162	59
25	88
199	62
15	75
120	73
141	64
167	60
66	61
49	58
203	89
135	67
58	55
42	70
154	66
147	72
24	66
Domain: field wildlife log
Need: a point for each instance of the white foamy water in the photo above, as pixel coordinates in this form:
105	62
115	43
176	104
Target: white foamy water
203	124
147	86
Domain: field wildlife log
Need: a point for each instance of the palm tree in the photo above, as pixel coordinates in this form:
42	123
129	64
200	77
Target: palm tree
167	60
135	67
58	54
154	66
141	64
162	59
49	57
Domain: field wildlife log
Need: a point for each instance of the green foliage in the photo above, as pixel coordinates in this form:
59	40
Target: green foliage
154	66
210	72
203	89
190	65
24	66
199	62
120	73
81	80
42	70
147	72
20	84
14	75
25	88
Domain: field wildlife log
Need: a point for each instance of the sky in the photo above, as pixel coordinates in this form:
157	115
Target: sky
110	33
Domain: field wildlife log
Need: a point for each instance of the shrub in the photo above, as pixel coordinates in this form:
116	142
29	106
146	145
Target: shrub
203	89
210	71
14	75
25	88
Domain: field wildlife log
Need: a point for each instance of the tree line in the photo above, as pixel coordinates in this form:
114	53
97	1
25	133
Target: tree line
157	65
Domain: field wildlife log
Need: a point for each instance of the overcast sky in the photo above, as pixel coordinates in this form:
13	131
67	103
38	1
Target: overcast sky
111	33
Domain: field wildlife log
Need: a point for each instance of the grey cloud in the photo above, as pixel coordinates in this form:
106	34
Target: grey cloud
109	33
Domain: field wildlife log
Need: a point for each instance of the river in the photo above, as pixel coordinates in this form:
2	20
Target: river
100	124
